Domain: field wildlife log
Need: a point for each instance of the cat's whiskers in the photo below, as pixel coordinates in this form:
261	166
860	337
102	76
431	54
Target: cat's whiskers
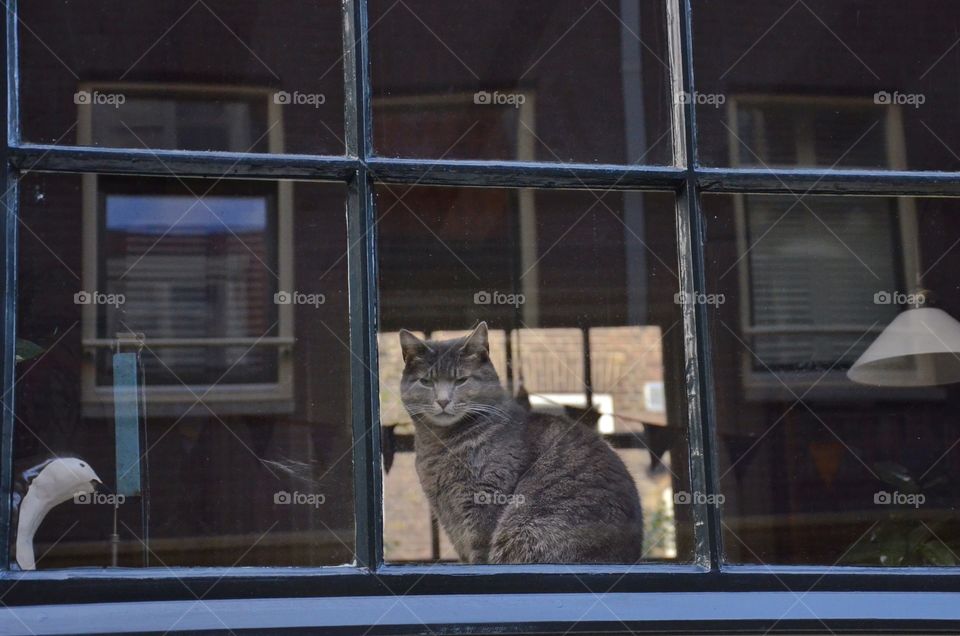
486	409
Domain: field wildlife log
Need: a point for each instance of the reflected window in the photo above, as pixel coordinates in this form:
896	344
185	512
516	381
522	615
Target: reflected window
211	76
507	130
194	281
801	130
799	262
180	116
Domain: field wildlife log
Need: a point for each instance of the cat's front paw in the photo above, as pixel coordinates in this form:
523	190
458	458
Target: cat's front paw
478	556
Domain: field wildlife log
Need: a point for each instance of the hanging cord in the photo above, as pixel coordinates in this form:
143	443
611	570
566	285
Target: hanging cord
115	537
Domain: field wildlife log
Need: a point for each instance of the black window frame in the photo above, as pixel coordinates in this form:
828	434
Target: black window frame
370	597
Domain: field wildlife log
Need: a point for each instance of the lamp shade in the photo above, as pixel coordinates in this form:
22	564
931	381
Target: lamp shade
921	347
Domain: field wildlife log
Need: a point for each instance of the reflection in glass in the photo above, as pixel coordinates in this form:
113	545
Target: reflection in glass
818	463
545	80
193	271
192	335
213	75
578	290
783	83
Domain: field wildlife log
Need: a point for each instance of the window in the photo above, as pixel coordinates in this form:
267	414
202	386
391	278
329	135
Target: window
473	257
711	249
198	276
816	465
192	286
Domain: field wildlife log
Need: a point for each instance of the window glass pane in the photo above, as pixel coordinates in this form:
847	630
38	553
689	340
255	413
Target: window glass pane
811	83
578	292
242	77
545	80
836	356
234	295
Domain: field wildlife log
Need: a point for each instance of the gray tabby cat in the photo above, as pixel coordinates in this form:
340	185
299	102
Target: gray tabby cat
510	486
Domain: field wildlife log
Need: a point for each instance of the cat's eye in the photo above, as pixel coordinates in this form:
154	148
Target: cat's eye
426	382
460	381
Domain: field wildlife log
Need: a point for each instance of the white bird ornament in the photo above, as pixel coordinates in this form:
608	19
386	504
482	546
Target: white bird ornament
57	481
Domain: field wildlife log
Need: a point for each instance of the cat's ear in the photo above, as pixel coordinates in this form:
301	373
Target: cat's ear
411	346
477	343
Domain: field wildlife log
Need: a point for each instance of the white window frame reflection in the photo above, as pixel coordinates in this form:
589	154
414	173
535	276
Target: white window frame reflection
184	400
760	384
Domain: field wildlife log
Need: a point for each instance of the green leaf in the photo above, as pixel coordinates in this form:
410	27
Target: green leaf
892	542
935	553
893	549
27	350
916	538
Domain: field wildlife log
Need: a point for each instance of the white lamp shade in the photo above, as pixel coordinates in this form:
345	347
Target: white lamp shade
921	347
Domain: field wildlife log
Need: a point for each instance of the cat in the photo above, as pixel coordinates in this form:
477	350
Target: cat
508	485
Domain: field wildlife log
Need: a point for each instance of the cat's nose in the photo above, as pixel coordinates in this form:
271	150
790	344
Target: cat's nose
443	404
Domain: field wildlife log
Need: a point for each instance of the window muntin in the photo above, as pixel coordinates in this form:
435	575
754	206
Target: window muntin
454	94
